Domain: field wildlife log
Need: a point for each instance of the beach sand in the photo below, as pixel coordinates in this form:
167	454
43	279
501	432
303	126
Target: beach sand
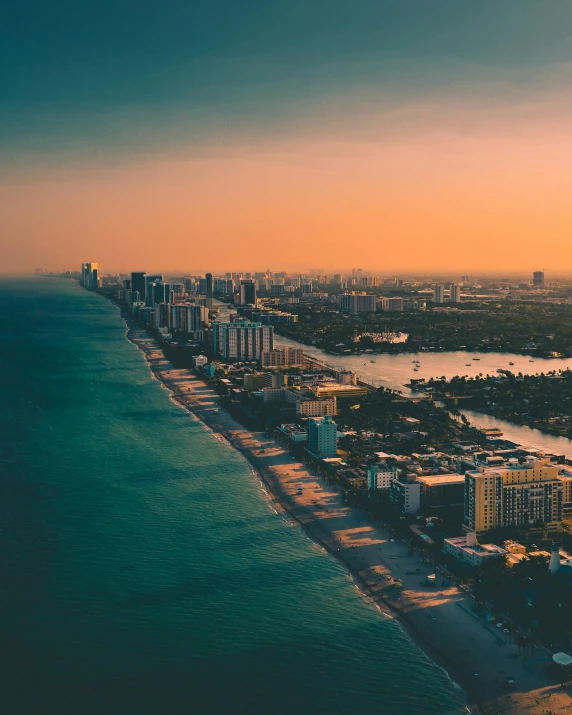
440	619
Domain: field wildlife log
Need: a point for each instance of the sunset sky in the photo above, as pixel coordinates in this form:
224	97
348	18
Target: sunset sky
431	135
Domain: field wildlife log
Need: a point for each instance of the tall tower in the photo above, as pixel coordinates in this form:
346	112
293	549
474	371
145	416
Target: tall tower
247	292
138	285
209	279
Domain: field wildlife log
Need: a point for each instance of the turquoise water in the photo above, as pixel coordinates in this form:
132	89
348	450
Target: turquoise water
142	569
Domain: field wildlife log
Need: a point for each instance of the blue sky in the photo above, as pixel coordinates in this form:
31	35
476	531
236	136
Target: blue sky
121	76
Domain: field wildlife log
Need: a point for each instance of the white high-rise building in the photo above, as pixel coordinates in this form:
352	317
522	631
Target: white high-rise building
438	294
242	340
322	437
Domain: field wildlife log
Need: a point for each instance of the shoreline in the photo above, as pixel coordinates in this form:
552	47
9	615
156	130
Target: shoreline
419	611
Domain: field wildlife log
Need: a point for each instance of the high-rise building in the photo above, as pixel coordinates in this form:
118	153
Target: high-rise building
89	276
209	290
149	280
322	437
438	294
355	303
138	284
187	318
242	340
538	279
247	292
521	495
390	304
455	293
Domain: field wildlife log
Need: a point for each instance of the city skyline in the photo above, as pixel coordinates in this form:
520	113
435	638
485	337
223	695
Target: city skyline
419	137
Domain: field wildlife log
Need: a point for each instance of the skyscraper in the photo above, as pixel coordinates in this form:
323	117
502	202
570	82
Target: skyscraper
149	280
438	294
538	279
247	292
455	293
89	276
209	290
138	285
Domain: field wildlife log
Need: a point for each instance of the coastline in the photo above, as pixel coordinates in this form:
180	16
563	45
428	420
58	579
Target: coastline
438	620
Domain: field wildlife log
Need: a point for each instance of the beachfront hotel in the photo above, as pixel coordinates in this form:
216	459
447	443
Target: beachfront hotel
524	495
242	340
322	437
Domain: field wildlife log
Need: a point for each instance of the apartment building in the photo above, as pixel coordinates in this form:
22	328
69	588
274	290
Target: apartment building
525	495
405	495
322	437
390	304
242	340
282	357
326	407
379	476
357	302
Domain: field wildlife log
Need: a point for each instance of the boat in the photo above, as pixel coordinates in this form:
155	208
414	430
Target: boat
468	364
511	363
415	369
531	361
372	360
476	358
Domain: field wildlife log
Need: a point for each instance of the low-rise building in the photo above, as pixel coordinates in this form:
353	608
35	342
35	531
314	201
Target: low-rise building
294	432
200	361
514	547
468	550
379	476
275	379
254	381
346	377
442	489
333	389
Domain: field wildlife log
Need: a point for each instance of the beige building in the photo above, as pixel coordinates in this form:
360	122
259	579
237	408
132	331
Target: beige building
334	389
525	495
282	357
565	477
326	407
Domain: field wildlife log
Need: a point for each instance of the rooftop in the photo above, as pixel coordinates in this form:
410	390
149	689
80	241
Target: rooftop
434	480
482	549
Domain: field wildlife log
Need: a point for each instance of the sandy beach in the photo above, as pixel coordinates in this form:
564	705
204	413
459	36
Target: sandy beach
440	619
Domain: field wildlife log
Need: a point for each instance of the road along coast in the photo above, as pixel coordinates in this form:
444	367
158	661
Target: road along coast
440	619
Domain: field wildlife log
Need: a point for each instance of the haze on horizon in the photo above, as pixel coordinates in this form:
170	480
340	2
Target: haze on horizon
428	137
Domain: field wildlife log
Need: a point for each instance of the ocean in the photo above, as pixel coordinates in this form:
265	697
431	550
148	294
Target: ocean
142	568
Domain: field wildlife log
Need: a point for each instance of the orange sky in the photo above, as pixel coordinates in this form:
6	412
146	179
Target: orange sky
422	136
490	199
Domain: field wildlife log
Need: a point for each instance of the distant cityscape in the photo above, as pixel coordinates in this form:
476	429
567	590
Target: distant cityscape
481	508
499	485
